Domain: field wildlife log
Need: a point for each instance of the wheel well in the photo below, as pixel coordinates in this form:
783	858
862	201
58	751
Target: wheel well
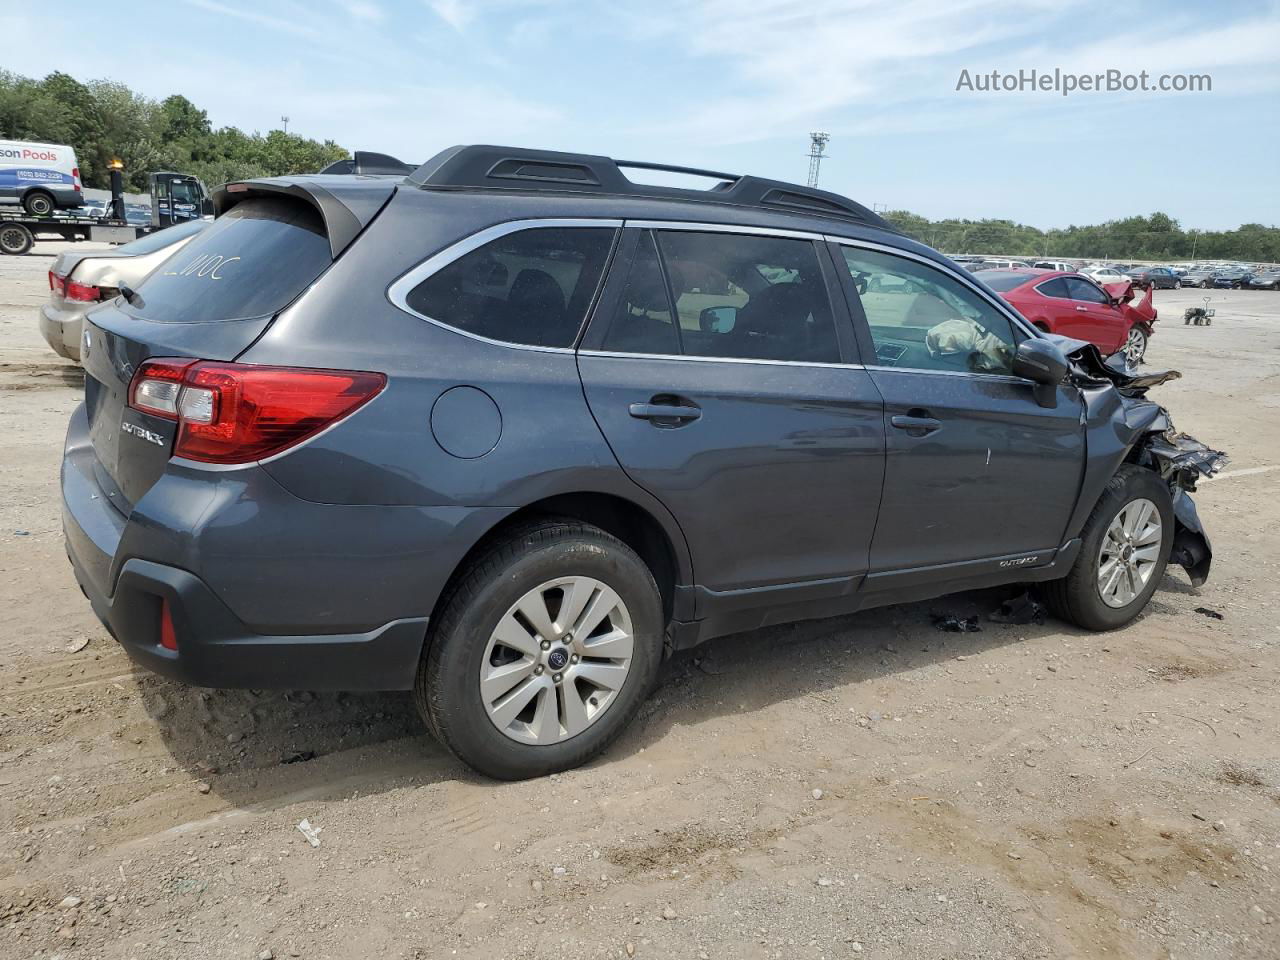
1041	325
631	524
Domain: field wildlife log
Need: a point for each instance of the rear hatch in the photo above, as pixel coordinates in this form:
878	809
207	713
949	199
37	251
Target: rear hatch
210	301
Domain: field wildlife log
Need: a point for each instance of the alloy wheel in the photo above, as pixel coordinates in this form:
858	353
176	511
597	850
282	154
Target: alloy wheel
1129	552
557	660
1135	346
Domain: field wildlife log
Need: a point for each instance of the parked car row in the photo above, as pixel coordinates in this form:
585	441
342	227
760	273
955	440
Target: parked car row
578	423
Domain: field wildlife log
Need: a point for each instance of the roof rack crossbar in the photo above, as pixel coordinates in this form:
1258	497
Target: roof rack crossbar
523	170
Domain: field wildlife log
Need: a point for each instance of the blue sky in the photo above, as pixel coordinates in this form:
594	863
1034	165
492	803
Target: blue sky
738	86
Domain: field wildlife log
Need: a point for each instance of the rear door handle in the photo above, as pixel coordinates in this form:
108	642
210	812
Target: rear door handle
1083	309
916	426
655	412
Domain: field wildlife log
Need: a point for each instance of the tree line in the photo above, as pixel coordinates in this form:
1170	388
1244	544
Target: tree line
103	120
1155	238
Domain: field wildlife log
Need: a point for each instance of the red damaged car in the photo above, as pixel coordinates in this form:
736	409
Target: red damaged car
1074	306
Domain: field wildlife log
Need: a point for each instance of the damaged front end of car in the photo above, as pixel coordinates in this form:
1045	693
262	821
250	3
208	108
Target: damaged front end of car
1120	418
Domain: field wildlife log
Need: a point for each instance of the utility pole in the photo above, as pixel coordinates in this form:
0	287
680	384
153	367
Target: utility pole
285	121
817	150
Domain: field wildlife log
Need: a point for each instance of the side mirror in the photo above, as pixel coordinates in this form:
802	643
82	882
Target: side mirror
1045	365
717	319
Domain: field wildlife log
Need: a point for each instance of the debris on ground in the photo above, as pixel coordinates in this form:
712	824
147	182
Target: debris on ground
1022	609
311	833
1208	612
950	623
75	646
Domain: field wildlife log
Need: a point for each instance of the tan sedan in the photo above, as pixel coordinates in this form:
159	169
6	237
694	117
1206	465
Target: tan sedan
80	281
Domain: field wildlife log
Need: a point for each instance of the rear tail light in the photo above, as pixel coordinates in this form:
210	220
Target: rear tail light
238	413
82	292
57	284
75	179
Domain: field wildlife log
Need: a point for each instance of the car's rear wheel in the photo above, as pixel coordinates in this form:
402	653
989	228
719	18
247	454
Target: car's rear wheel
38	203
543	652
1135	346
1125	548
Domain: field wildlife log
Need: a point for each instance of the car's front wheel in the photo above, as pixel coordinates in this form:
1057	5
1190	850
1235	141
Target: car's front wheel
1135	346
1177	284
543	652
1124	550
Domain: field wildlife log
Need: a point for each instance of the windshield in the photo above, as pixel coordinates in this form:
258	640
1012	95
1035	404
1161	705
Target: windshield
250	262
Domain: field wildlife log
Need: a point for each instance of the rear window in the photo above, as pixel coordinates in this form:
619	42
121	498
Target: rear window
1001	281
250	262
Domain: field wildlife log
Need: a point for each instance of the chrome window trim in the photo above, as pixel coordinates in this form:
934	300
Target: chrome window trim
1000	305
686	225
398	291
623	355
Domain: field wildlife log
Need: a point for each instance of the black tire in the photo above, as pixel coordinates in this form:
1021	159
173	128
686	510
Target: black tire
15	239
447	689
1177	284
1076	597
38	203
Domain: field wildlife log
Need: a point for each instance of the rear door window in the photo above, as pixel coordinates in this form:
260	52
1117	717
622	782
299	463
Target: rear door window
734	296
531	287
250	262
1057	287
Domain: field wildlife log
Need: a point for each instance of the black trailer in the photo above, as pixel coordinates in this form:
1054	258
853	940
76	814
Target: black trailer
19	230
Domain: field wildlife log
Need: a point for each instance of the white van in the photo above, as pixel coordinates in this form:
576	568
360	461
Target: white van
41	176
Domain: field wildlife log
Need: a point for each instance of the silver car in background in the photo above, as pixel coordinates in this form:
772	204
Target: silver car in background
79	281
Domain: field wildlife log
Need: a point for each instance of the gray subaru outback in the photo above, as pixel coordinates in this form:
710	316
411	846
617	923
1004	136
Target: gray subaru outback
508	430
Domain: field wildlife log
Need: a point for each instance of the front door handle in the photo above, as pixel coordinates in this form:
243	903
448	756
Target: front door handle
916	426
1083	309
665	414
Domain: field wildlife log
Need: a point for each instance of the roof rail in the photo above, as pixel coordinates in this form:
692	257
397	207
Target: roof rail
524	171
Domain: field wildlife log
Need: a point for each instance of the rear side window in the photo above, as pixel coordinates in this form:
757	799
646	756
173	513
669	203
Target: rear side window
532	287
250	262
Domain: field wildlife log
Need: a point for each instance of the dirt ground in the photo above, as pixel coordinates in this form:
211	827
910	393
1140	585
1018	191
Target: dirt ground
865	786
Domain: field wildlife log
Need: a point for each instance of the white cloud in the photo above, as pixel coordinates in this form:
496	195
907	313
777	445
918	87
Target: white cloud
456	13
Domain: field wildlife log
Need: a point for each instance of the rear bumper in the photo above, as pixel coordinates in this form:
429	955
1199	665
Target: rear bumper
265	590
216	650
61	329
